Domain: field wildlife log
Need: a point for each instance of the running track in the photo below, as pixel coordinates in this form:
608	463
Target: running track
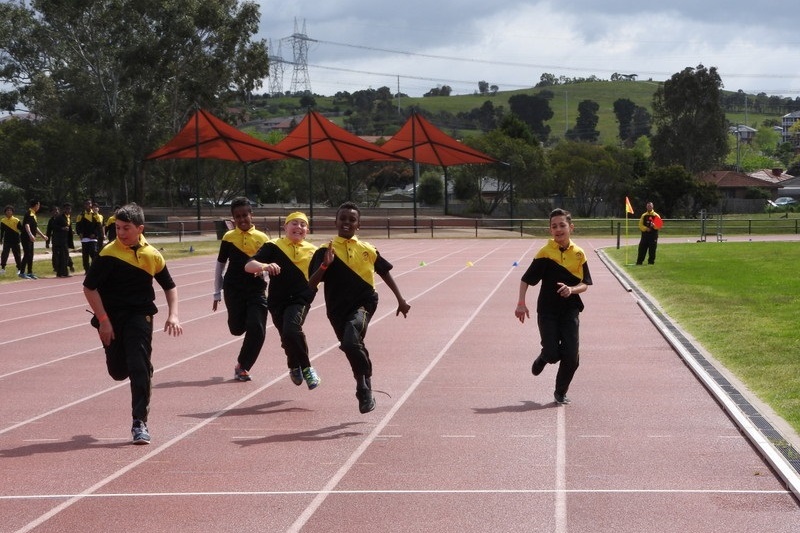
463	438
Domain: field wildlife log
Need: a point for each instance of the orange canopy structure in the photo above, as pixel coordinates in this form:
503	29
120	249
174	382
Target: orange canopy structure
422	142
207	137
316	137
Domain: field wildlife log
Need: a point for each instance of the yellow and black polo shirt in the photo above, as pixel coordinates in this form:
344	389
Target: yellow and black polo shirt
553	265
236	249
350	279
9	230
123	275
291	285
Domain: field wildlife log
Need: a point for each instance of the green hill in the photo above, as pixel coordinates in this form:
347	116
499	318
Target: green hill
564	104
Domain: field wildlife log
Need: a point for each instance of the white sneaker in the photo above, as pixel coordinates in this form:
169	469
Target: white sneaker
2	271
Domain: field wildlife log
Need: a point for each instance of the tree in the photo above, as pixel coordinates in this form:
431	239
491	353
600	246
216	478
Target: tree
586	123
623	110
588	173
534	111
430	189
669	187
483	87
132	69
691	130
525	170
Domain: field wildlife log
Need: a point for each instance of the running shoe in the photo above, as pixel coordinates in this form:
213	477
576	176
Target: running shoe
296	375
311	377
32	276
22	275
241	374
2	271
139	433
562	399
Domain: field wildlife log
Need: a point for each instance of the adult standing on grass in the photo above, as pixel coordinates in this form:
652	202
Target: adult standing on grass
244	293
562	268
348	267
119	289
649	224
30	230
289	297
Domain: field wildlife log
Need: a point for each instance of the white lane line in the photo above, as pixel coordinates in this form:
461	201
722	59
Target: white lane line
561	472
320	498
713	492
100	484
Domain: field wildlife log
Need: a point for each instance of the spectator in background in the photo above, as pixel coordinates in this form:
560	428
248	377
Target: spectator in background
62	240
10	228
88	227
111	228
30	230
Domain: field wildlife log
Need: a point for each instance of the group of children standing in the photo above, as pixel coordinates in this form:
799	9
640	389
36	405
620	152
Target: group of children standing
257	275
18	237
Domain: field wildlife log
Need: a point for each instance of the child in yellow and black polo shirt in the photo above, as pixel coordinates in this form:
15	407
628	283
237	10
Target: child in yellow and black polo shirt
289	297
119	289
347	266
10	228
244	293
561	267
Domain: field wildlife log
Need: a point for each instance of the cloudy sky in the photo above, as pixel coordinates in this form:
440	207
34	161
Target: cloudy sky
415	45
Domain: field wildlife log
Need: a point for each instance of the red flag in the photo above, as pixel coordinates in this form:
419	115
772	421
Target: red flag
628	208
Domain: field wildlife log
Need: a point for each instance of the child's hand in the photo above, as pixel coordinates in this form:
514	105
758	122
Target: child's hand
329	255
522	312
402	307
565	291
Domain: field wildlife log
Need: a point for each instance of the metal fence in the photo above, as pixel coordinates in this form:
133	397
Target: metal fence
452	227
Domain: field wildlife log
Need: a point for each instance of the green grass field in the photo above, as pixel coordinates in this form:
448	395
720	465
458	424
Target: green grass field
741	301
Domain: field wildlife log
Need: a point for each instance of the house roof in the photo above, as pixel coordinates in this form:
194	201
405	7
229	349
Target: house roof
772	175
728	179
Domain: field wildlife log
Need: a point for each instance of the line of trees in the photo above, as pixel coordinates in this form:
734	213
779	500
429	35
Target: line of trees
108	81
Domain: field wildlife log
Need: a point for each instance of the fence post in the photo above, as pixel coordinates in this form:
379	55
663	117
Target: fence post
180	232
388	228
476	228
431	228
619	231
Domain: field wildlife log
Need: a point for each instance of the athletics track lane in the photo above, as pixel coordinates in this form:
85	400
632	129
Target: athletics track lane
467	440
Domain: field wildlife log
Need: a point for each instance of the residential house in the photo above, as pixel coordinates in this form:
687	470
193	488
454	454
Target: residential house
787	121
733	184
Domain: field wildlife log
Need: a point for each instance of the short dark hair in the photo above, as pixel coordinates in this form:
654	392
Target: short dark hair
66	205
132	213
558	212
33	202
240	201
349	205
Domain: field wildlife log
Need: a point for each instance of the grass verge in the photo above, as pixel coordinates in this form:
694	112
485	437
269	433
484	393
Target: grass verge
740	300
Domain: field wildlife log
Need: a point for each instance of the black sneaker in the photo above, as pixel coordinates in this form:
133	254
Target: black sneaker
296	375
241	374
366	402
139	433
538	365
562	399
